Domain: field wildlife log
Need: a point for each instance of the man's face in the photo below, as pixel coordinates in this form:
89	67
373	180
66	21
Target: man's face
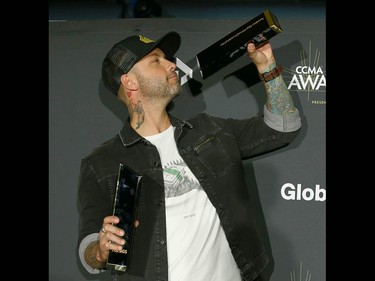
157	78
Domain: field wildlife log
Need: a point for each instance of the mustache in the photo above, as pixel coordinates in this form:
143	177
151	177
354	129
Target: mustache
173	75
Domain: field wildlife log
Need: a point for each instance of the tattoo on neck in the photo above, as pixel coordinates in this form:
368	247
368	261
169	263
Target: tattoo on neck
137	109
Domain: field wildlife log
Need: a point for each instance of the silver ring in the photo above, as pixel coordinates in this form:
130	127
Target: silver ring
103	230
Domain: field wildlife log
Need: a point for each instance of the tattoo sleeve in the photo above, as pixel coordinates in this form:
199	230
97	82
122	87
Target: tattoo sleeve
279	100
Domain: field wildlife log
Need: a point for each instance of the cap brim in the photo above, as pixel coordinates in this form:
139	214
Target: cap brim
169	43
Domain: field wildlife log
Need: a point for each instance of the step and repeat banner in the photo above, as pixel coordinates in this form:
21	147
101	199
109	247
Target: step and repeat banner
289	184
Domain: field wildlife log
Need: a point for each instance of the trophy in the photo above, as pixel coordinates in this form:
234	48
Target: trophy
258	31
125	208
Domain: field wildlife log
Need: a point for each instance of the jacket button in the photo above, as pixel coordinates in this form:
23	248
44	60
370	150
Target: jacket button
160	203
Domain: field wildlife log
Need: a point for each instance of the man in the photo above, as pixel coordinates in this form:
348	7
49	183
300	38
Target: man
194	220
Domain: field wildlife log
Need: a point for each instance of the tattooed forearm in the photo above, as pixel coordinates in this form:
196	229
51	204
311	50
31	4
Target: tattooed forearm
279	100
137	109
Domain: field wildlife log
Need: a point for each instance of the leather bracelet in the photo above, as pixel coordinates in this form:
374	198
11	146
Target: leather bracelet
272	74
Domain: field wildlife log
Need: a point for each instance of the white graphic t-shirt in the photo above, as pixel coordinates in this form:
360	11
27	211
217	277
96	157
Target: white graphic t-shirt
197	247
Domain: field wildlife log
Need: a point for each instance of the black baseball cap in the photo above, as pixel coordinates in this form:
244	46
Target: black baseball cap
124	54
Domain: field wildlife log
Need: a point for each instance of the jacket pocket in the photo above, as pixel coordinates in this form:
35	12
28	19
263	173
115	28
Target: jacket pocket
214	156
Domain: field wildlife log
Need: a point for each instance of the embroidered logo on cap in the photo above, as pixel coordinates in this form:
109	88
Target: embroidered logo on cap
145	39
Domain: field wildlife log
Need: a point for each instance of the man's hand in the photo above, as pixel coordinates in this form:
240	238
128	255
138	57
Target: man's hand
261	57
110	237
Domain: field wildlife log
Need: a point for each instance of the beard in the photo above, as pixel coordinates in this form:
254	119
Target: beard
158	90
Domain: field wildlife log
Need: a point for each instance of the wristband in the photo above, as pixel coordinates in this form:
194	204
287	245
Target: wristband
272	74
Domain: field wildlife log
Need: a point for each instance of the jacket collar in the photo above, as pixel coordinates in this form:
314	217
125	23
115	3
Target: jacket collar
129	136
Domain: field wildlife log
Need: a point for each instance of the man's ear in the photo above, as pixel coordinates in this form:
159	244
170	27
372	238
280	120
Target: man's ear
128	82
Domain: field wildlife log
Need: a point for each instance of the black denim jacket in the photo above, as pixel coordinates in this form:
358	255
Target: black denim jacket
214	149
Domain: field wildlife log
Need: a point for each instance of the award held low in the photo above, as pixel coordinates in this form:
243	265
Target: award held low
125	208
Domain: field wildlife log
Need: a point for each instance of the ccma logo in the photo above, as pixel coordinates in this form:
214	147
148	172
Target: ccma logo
309	77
